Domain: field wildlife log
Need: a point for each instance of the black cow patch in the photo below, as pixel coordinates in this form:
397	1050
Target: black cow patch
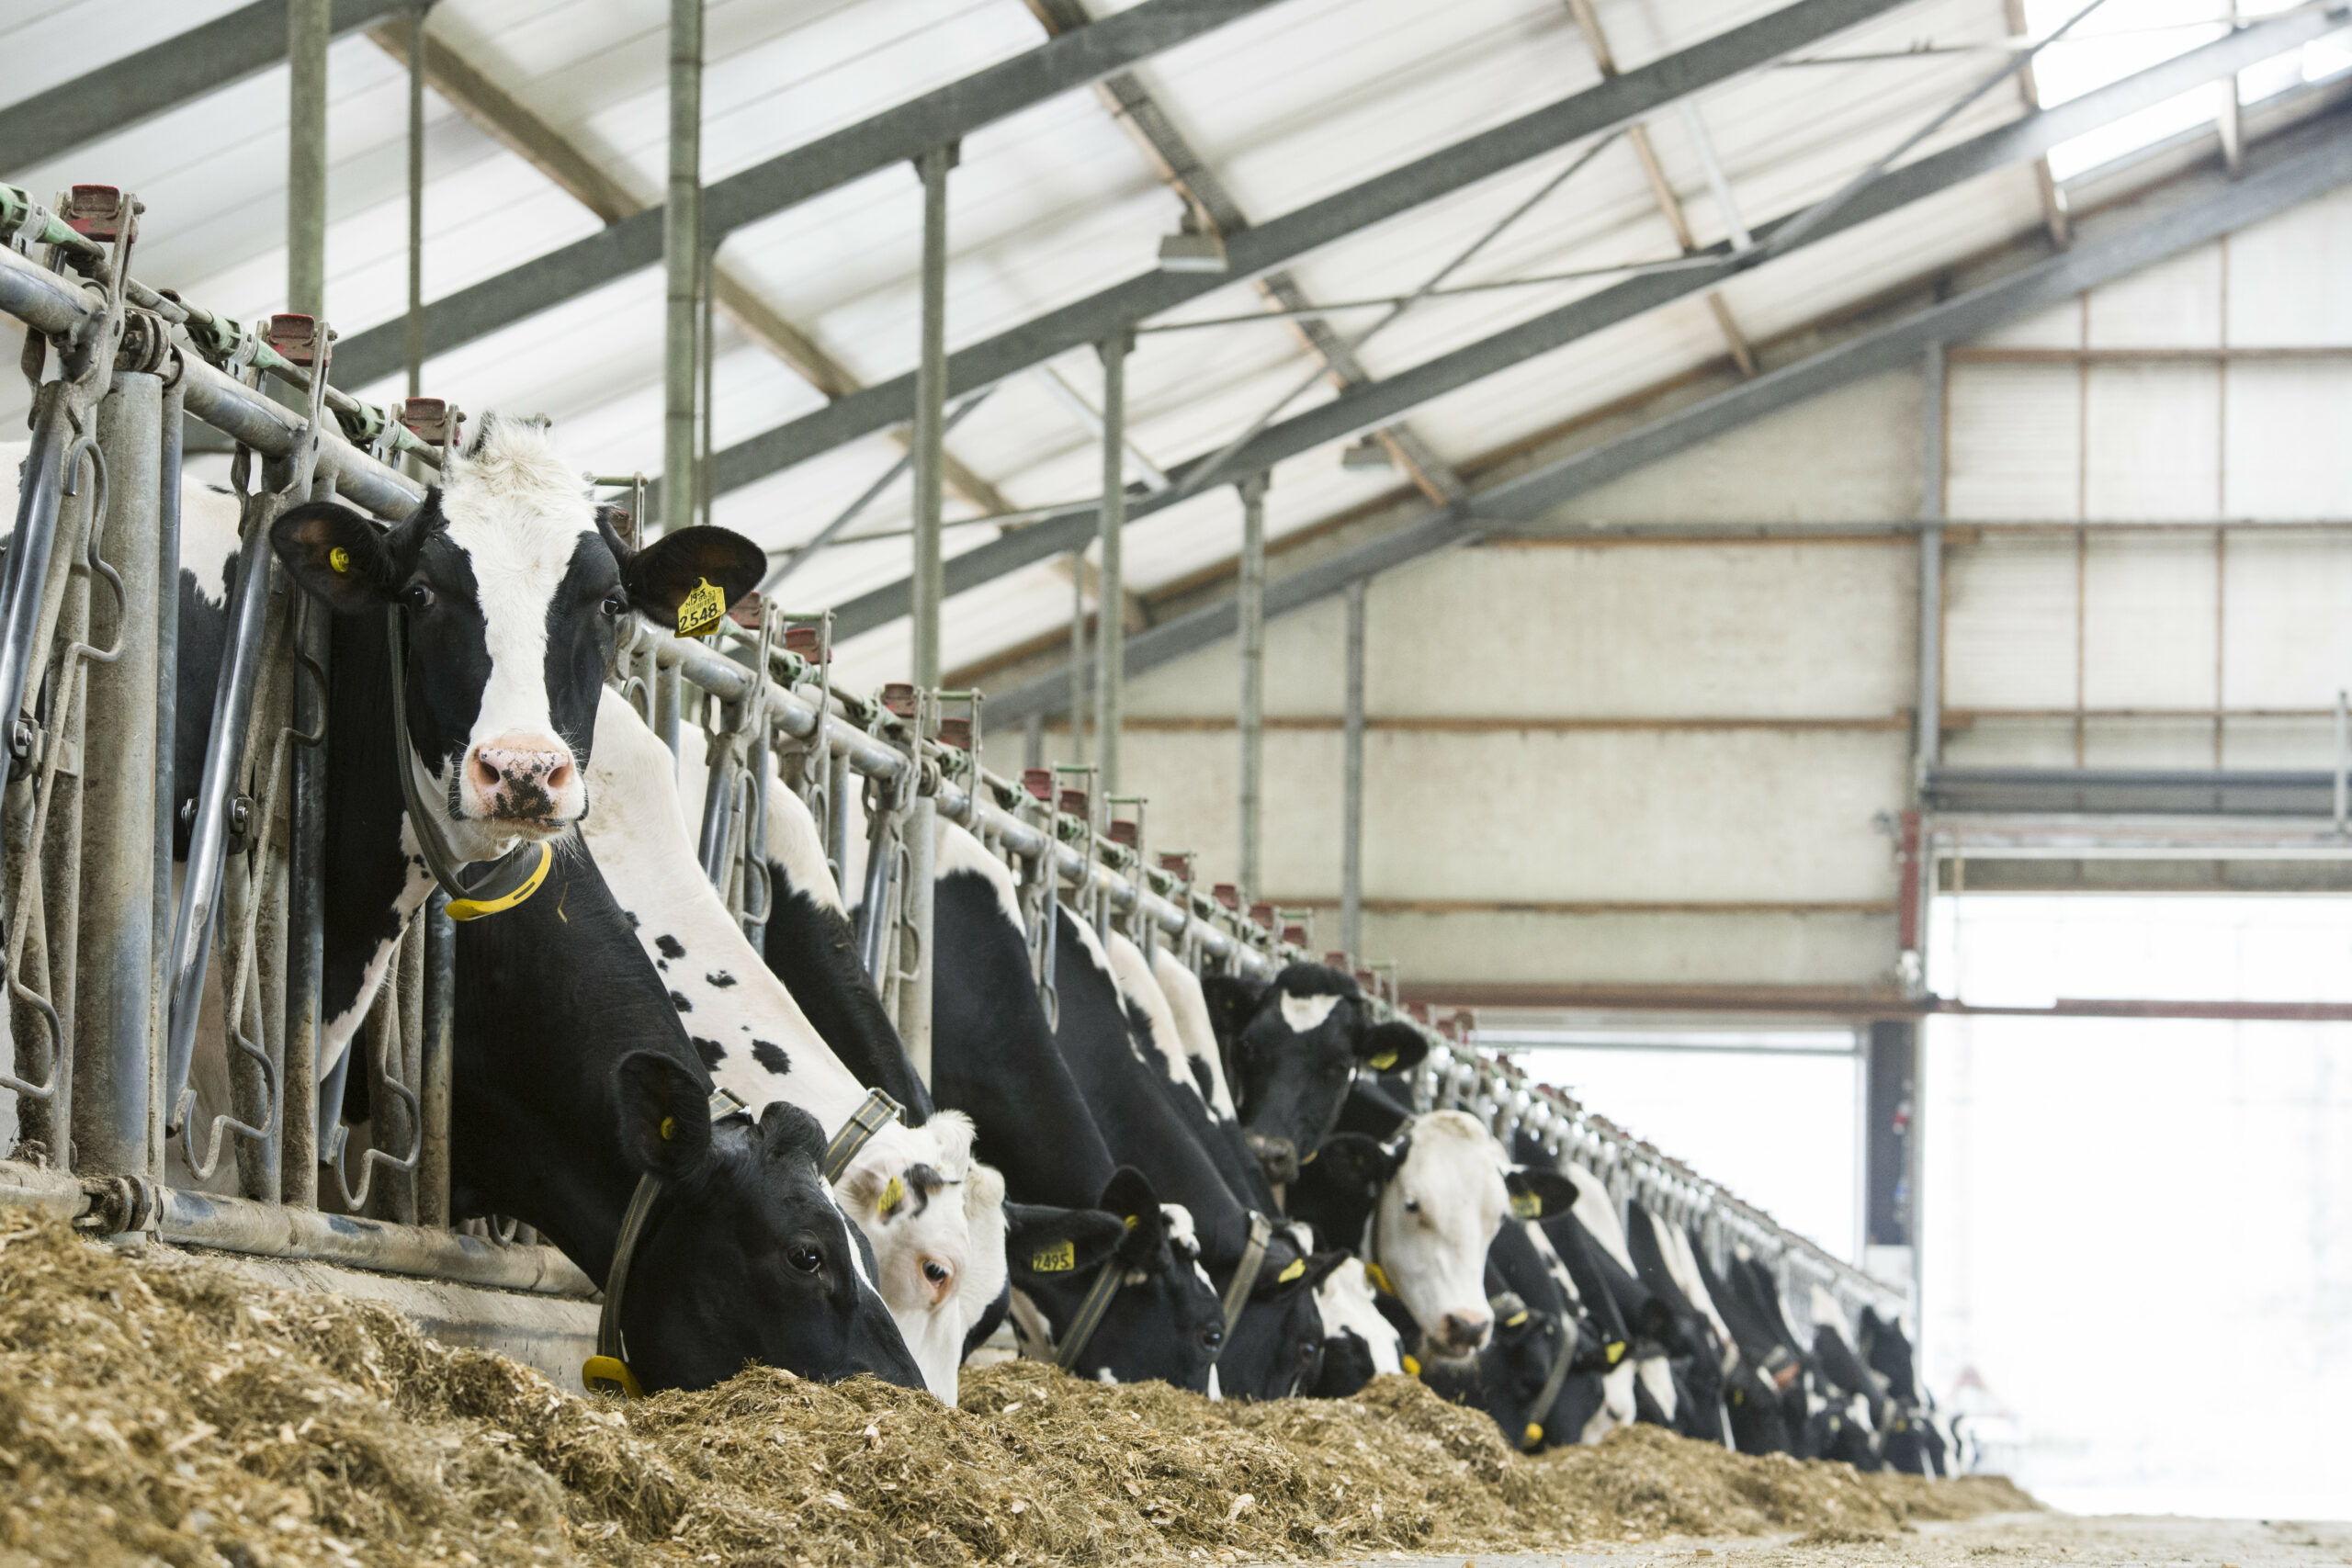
671	946
678	1000
630	916
710	1051
771	1056
719	978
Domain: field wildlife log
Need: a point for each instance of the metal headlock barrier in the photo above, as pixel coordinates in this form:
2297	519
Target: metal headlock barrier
108	970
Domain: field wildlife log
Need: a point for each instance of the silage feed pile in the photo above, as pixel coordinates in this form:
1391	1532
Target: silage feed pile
154	1409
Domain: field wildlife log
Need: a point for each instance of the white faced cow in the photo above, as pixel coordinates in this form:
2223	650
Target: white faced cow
935	1215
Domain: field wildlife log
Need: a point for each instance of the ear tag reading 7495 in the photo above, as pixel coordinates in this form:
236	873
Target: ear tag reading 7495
1058	1258
702	610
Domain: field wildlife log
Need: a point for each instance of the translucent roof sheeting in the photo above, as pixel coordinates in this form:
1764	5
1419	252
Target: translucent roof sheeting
1298	101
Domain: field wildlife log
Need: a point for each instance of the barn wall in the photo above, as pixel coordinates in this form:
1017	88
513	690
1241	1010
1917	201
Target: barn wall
1660	763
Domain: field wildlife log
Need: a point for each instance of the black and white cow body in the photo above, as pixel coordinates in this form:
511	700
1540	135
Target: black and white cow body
993	1058
933	1215
1277	1339
513	589
1292	1046
573	1079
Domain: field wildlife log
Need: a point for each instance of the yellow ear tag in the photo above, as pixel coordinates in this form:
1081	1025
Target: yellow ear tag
1515	1320
1385	1061
1379	1277
669	1128
1058	1258
1533	1434
893	1194
1616	1351
1412	1368
339	561
1526	1206
1297	1267
702	610
1739	1397
1134	1220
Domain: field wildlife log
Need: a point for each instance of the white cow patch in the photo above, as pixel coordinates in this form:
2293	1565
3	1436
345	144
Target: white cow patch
1659	1378
1598	1214
1140	991
1194	1031
1305	1014
208	539
760	1044
1616	1403
794	839
1683	1264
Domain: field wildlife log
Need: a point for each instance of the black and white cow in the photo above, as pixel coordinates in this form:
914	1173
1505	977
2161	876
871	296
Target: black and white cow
573	1080
1293	1045
933	1214
993	1057
515	589
1424	1206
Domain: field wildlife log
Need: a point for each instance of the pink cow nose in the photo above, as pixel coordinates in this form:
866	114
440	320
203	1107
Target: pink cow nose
520	783
1465	1333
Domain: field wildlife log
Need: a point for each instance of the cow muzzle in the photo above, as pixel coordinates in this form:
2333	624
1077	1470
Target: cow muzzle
1278	1157
523	779
1461	1333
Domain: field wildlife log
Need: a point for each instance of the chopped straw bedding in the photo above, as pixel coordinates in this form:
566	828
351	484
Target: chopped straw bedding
153	1409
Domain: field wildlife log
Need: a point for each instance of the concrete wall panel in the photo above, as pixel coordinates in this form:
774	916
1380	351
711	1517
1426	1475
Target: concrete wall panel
2153	442
2014	441
2009	624
2148	622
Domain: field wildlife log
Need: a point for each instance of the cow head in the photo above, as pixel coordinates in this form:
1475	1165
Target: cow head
1291	1047
1359	1345
935	1218
1165	1322
1276	1349
1436	1195
744	1221
513	587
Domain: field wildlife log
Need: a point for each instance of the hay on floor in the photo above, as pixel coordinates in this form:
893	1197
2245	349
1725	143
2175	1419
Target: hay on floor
152	1409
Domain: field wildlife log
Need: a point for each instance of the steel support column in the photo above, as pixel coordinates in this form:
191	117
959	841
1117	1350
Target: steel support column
1253	609
1929	741
927	582
1110	588
1890	1101
413	323
1351	812
310	25
116	945
682	242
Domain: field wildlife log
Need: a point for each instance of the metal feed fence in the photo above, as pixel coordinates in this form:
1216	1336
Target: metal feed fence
112	975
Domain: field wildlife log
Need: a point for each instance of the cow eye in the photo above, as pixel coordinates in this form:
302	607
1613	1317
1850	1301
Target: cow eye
935	1272
805	1258
1212	1337
1412	1205
419	596
613	605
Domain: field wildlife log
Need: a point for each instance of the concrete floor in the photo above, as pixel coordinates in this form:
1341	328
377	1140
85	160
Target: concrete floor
1999	1541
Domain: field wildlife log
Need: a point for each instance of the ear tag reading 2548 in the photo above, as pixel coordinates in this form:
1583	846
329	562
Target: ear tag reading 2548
702	610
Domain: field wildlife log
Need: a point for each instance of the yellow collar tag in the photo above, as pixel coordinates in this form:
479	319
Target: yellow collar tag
475	908
1058	1258
610	1374
1616	1351
702	610
1412	1368
1297	1267
1533	1437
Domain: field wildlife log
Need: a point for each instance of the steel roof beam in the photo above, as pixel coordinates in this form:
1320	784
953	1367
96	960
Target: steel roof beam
162	78
1279	241
1376	404
2301	166
896	135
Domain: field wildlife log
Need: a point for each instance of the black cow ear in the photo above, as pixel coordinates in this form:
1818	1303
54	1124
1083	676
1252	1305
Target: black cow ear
1293	1272
1539	1194
1043	1245
1233	1001
1130	1195
342	558
1392	1047
681	565
787	1131
1358	1158
664	1113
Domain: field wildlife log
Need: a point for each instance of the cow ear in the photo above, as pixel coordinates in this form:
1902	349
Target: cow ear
787	1132
1293	1272
1392	1047
661	577
1232	1001
1129	1194
664	1115
1358	1158
1539	1194
339	556
1043	1245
